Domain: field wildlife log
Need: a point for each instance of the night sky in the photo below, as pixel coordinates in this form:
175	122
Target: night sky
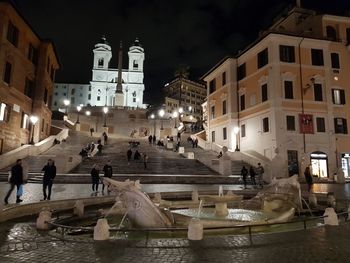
197	33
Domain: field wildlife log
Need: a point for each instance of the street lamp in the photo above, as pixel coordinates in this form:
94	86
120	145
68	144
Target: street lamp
154	123
33	120
66	103
78	109
161	113
88	113
175	114
105	110
236	131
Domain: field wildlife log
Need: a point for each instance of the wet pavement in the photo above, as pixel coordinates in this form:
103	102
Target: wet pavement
21	242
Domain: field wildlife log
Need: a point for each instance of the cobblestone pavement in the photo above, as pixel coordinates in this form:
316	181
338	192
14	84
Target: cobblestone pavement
21	242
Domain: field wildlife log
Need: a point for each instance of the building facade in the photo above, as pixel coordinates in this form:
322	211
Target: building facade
186	94
27	72
290	96
77	94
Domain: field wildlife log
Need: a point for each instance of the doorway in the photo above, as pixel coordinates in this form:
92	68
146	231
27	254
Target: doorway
319	164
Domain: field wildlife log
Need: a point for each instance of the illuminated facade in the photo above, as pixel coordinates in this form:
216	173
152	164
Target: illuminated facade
288	92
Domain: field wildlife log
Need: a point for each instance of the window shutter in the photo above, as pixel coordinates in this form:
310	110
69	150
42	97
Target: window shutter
345	126
333	99
342	96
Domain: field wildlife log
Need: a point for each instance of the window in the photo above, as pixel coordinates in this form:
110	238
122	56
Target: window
25	121
72	100
340	125
317	57
288	89
223	78
135	64
98	98
100	62
338	96
33	54
4	112
212	112
318	92
335	60
290	123
12	34
241	72
89	97
320	124
224	133
42	125
243	130
213	136
242	102
264	92
287	54
133	99
7	73
72	92
331	33
212	86
266	124
224	110
45	96
29	88
263	58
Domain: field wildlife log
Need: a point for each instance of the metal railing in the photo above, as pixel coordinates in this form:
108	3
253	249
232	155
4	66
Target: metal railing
250	227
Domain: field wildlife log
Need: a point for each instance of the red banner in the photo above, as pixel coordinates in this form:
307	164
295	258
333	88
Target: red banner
306	123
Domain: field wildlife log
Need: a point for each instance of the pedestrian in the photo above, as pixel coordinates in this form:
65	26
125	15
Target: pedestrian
91	131
150	139
260	173
244	173
95	177
154	139
108	173
105	138
308	178
145	159
49	175
128	155
252	175
178	136
137	155
99	148
16	179
196	142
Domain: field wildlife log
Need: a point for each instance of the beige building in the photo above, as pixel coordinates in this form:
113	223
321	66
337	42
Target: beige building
285	99
186	94
27	71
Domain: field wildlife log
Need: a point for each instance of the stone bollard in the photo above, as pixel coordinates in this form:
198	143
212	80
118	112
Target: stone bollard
101	230
157	198
195	230
79	208
312	200
332	217
195	195
44	216
331	199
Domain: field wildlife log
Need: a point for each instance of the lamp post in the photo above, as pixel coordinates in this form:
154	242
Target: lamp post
78	109
33	120
154	123
161	113
236	131
175	114
66	103
87	113
105	110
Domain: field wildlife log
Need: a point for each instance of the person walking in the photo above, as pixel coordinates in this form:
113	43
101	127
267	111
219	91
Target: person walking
260	173
91	131
196	143
154	139
16	179
252	175
150	139
95	177
244	173
49	175
108	173
144	159
137	155
128	155
105	138
308	178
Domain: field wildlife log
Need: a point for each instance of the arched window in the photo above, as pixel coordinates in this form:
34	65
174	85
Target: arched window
100	62
135	64
331	33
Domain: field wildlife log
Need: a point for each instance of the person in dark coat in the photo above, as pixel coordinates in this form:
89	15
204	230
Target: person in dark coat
308	178
49	175
95	177
108	172
137	155
128	155
16	179
252	175
105	138
154	139
150	139
244	173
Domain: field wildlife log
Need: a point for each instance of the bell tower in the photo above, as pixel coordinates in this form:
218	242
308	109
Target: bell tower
136	57
102	54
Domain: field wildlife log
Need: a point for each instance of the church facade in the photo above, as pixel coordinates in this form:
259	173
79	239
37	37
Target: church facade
102	90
